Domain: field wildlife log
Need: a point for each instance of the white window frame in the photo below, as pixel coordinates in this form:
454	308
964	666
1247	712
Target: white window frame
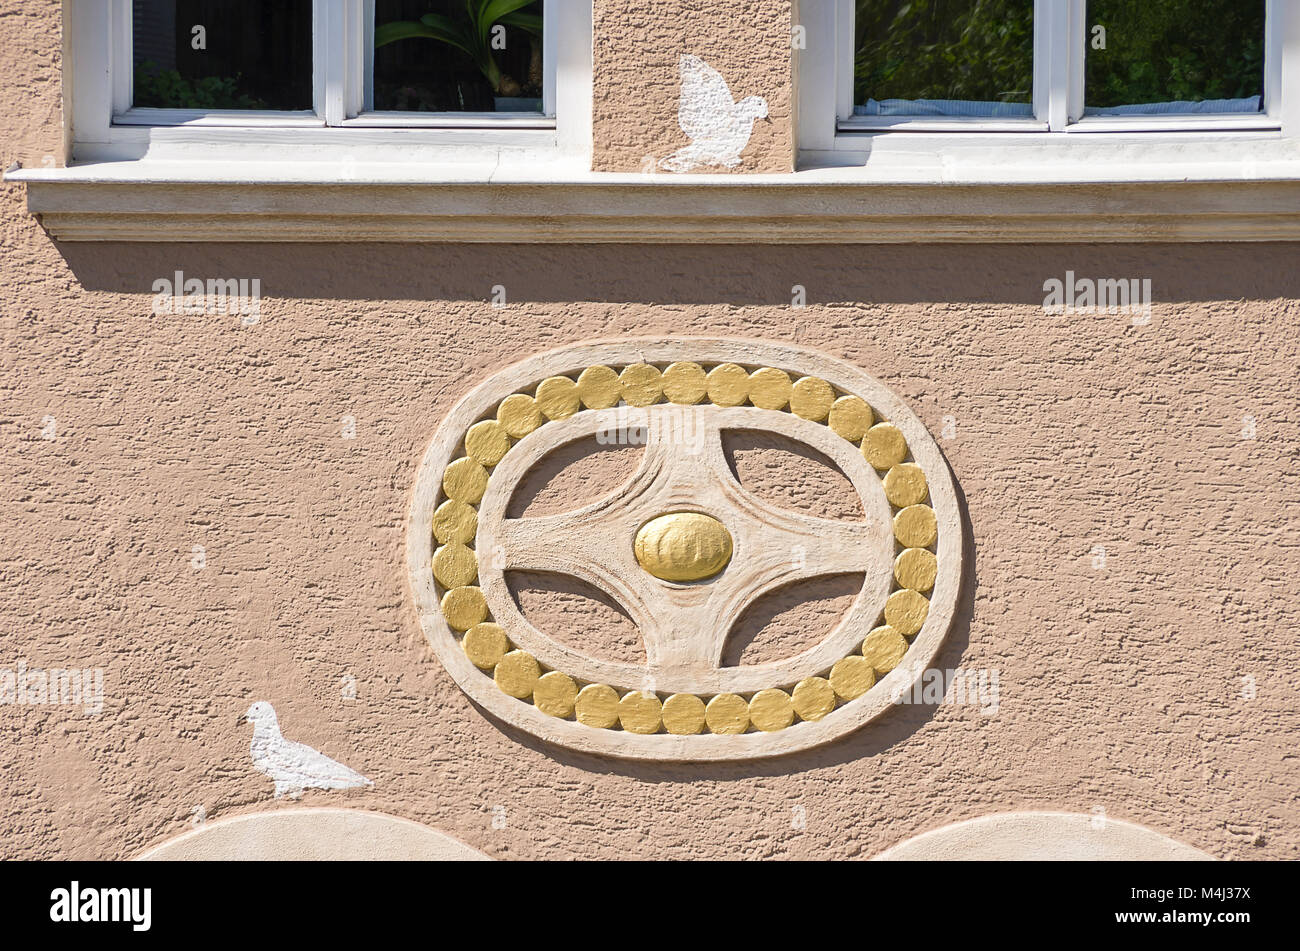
106	126
825	90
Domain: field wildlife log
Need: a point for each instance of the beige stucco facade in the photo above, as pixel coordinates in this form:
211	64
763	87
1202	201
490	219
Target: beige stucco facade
635	49
1130	497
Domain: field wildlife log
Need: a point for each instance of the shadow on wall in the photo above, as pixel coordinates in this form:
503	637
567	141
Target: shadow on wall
694	274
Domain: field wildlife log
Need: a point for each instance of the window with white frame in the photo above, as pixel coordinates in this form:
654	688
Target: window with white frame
363	62
1056	65
153	77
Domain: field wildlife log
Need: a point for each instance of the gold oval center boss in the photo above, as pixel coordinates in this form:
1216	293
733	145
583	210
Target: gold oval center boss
683	546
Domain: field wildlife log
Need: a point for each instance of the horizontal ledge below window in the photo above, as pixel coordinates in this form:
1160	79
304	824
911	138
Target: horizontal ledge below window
657	210
1227	122
939	124
1173	124
250	120
218	119
449	120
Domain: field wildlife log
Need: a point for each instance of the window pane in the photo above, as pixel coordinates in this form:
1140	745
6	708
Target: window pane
944	58
443	56
222	54
1176	56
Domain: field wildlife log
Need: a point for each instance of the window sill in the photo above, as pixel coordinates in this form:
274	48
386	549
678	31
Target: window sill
897	193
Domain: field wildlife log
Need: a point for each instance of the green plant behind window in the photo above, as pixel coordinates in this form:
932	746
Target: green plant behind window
168	89
471	34
1175	50
982	49
944	49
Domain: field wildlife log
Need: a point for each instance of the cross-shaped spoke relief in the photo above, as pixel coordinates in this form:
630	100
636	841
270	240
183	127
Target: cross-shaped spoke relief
666	571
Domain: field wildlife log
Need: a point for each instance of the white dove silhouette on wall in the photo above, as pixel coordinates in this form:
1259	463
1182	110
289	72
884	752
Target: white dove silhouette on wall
719	128
294	766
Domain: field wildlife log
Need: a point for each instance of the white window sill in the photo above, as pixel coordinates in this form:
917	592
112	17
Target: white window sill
142	125
894	188
1076	157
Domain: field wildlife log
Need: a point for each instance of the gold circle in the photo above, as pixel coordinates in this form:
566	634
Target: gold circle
884	446
455	565
884	648
555	694
813	698
905	485
916	526
465	480
685	383
728	386
464	607
770	388
905	611
683	714
557	397
642	384
598	387
771	710
455	522
850	417
727	713
683	546
517	674
519	415
487	442
851	677
485	644
811	398
916	568
639	712
597	706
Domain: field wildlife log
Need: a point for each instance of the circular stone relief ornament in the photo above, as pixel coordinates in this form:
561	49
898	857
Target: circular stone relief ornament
683	547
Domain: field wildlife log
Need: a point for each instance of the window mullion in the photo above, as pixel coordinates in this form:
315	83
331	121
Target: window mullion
361	73
92	75
1275	24
1076	38
550	49
122	58
330	59
1055	40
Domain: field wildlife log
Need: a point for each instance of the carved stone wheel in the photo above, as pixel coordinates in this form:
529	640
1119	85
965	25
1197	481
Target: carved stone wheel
683	547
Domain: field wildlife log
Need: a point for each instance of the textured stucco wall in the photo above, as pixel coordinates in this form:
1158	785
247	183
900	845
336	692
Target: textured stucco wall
636	45
31	58
1121	686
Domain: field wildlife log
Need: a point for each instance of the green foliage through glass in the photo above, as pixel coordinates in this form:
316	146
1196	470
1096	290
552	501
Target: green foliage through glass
174	91
222	54
944	49
485	55
1188	50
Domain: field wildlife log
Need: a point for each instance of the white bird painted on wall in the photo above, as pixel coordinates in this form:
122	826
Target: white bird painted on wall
294	766
718	126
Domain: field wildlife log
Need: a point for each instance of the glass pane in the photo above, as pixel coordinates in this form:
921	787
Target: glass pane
454	56
1174	57
944	58
222	54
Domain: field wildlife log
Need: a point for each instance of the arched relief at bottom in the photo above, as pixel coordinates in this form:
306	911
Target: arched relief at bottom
1043	836
314	835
